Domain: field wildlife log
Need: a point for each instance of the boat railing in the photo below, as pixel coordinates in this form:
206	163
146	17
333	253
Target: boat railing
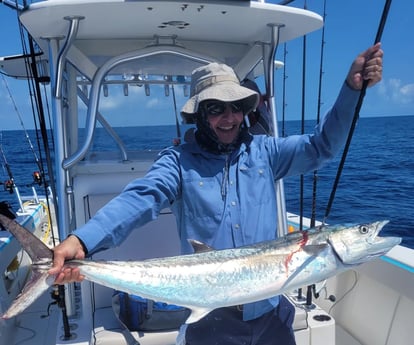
106	125
98	79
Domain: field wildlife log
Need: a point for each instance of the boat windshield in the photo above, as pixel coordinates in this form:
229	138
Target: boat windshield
135	116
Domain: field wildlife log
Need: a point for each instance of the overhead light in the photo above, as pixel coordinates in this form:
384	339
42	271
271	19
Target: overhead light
139	78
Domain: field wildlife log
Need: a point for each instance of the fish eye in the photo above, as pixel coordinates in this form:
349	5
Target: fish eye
363	229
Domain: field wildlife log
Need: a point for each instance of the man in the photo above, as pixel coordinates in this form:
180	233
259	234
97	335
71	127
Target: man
220	186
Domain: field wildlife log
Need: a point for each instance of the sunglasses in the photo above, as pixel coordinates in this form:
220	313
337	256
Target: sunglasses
215	108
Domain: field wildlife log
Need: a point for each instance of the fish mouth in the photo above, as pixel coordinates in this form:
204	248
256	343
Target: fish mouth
378	227
382	244
375	237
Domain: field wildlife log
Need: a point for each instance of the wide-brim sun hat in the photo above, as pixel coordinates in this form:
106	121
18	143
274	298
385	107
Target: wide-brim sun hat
219	82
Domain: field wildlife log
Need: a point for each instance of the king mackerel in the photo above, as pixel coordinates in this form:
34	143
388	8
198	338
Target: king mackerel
211	279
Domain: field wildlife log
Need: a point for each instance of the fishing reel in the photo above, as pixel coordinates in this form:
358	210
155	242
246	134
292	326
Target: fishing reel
37	178
9	186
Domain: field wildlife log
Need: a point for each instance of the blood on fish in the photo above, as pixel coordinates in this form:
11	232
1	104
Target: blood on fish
302	242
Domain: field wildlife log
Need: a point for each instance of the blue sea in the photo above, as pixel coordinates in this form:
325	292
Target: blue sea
377	181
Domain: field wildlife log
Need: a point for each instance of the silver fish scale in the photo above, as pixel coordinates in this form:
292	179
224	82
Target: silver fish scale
208	280
205	279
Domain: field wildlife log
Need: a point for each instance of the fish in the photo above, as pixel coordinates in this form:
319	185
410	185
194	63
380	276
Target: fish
210	279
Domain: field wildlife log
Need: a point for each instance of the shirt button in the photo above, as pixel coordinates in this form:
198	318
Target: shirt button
231	182
260	171
236	226
233	203
201	183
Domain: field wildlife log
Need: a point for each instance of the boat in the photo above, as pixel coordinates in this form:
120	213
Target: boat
107	64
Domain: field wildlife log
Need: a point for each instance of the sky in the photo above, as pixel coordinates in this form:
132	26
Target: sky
350	27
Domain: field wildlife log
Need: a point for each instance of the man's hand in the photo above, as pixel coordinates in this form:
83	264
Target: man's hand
71	248
366	66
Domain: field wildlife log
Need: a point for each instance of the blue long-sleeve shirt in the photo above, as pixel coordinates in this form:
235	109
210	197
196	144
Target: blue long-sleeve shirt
225	201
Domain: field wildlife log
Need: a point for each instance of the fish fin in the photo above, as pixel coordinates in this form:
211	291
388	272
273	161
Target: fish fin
197	314
296	273
38	283
36	249
41	257
200	247
314	249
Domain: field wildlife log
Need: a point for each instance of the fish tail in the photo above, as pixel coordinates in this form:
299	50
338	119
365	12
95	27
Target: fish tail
41	257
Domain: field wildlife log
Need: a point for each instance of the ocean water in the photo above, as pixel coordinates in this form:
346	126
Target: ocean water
377	181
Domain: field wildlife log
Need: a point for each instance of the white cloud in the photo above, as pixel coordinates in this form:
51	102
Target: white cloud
152	103
394	90
107	103
407	91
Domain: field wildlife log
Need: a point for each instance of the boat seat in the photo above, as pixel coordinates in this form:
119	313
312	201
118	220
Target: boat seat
343	337
368	316
401	328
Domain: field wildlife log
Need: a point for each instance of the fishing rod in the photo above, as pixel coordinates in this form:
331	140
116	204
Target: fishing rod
177	123
9	185
318	117
284	104
302	178
37	177
32	71
356	113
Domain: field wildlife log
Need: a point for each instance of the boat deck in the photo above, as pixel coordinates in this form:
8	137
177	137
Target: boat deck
33	326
